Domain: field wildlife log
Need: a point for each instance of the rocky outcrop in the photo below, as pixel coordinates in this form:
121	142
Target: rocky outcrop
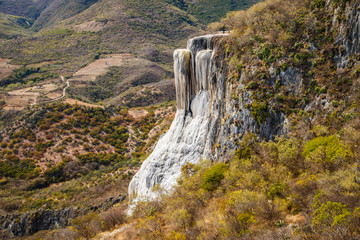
32	222
348	33
22	224
208	122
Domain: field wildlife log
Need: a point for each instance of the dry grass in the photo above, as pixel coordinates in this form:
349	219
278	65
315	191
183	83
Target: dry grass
21	98
77	102
99	67
6	68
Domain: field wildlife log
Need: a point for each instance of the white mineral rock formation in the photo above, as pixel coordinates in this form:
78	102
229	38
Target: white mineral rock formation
209	121
187	139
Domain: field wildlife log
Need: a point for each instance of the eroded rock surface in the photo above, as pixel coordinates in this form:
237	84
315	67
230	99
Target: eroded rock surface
206	116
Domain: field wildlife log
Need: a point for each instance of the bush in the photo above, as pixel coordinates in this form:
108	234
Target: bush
237	224
37	184
18	76
213	176
332	218
114	217
259	111
328	152
13	167
276	190
87	226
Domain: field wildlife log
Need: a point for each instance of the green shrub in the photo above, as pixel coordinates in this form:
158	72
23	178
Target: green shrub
326	151
252	85
318	4
56	173
331	216
37	184
259	111
18	76
13	167
276	190
213	176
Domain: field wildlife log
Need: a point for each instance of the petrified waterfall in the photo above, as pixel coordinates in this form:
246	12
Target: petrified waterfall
190	136
209	121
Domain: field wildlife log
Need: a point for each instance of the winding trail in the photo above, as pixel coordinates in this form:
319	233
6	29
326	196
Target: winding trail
35	102
58	98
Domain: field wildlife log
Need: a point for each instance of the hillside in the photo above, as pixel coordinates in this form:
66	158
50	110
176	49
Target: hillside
24	8
280	95
44	13
14	26
62	37
61	154
209	11
58	10
104	28
49	12
78	154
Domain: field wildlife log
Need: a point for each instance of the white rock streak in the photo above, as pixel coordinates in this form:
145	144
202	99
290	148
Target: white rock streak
187	139
182	72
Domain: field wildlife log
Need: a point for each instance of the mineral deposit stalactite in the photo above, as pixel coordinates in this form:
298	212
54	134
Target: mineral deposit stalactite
186	140
202	70
182	72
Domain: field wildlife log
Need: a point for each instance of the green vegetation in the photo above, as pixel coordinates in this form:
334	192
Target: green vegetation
26	75
130	85
14	26
213	176
86	145
330	216
297	38
268	191
304	185
326	151
13	167
212	10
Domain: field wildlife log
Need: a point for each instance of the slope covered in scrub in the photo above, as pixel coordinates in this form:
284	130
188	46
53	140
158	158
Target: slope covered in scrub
302	185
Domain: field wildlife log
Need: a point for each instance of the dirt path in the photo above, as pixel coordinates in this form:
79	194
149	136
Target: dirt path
35	102
67	85
58	98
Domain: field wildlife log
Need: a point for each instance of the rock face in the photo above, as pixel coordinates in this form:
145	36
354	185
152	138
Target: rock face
349	33
206	116
32	222
28	223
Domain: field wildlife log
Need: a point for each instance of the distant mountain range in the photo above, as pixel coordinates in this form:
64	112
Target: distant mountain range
73	33
48	12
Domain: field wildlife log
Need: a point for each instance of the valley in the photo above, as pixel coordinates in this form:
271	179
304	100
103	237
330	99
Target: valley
163	119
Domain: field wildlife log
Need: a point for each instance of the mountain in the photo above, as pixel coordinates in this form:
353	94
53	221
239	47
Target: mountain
44	12
213	10
72	34
265	141
88	97
48	12
145	30
12	26
58	10
24	8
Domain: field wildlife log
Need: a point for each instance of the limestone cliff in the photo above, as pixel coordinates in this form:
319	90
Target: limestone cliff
207	124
